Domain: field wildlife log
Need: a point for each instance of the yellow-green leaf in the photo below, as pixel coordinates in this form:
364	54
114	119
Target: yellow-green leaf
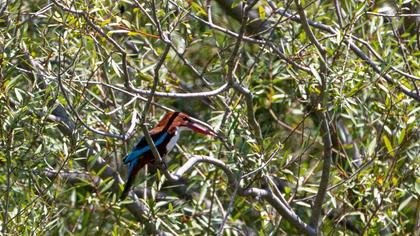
105	22
132	33
388	145
402	136
261	11
198	8
107	186
235	3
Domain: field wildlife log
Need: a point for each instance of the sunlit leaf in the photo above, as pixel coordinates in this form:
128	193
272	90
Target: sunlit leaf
388	145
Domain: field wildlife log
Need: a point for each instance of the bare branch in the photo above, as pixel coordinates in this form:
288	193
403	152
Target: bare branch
193	160
338	12
308	30
228	211
215	92
286	212
323	185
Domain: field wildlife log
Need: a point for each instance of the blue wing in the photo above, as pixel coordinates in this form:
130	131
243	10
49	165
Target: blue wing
141	148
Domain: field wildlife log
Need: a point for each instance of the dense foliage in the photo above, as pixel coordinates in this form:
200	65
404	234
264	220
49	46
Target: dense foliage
316	104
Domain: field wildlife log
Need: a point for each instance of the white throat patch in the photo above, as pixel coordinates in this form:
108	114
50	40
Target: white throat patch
173	140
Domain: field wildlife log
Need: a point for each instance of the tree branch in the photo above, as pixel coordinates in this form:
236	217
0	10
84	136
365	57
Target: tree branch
283	210
323	185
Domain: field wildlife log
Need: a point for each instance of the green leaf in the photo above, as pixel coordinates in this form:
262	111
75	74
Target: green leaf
371	147
18	95
120	31
2	159
105	22
236	3
171	208
404	203
108	185
304	204
402	136
417	186
198	8
315	73
116	68
411	119
388	145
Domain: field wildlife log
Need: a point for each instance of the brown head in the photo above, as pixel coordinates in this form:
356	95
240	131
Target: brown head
172	120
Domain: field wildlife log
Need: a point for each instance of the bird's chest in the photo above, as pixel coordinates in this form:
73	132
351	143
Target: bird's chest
172	141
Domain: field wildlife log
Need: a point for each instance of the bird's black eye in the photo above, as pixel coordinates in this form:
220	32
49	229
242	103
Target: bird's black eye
186	118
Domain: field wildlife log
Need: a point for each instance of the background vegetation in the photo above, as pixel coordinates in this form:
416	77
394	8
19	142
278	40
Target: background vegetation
316	104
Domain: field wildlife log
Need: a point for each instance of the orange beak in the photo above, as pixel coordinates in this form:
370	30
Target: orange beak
200	129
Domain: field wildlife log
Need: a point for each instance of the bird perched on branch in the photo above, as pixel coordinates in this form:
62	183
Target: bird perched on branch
164	135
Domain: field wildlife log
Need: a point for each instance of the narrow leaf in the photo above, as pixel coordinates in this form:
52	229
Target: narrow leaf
388	145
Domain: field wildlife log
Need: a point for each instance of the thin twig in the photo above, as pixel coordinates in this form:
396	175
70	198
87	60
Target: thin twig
228	211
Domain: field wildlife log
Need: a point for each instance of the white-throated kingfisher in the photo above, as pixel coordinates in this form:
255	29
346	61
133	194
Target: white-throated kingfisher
164	135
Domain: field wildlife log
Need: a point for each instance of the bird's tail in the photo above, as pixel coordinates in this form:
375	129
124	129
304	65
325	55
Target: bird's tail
132	175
